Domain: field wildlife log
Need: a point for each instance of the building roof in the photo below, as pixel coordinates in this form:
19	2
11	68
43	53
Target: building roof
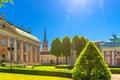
20	31
23	33
114	41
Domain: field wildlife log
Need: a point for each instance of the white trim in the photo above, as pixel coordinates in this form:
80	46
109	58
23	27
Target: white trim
113	58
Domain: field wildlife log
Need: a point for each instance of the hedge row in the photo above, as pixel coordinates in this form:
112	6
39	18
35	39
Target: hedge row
48	73
64	67
36	72
115	70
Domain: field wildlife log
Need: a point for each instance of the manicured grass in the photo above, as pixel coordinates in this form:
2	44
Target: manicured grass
52	68
10	76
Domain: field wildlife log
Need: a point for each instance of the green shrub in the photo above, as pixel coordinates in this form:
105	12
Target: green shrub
115	70
19	66
90	65
3	64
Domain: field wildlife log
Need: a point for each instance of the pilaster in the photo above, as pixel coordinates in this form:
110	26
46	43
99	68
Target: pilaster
112	58
21	55
26	52
15	50
8	46
31	53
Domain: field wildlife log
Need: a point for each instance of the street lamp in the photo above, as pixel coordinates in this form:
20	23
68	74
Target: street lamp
10	49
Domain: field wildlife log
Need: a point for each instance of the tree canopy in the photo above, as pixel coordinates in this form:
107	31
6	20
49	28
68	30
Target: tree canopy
80	43
2	2
56	48
66	47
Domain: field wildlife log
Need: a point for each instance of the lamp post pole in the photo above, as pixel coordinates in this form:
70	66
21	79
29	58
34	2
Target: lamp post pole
10	49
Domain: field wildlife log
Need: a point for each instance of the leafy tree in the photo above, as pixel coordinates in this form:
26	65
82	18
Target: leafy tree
77	44
66	47
90	65
56	48
80	43
83	43
5	1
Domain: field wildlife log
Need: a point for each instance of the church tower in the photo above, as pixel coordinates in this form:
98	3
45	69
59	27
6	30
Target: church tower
45	43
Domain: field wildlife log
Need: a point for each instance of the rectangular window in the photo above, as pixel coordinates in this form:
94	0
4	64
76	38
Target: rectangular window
3	41
18	44
18	57
33	49
29	48
24	46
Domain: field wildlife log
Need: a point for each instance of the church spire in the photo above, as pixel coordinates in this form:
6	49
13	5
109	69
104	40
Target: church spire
45	34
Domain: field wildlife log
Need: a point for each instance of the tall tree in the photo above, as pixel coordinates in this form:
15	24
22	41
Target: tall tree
90	65
66	47
56	48
5	1
83	43
80	43
77	44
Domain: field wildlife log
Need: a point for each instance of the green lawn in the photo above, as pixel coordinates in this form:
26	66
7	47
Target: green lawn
10	76
51	68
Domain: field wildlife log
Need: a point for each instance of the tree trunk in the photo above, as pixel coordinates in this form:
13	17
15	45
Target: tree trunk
66	60
57	60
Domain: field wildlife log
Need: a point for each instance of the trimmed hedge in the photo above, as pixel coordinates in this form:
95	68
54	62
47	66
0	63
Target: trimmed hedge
3	64
115	70
37	72
64	66
48	73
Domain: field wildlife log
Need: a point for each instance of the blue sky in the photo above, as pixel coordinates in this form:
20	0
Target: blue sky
94	19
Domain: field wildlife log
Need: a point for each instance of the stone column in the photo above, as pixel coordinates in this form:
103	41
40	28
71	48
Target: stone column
36	54
26	53
8	46
112	58
31	54
21	55
15	50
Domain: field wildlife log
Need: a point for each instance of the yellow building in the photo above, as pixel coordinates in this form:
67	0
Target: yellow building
26	46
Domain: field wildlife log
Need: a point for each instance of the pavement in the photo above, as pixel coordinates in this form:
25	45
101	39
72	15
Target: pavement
115	77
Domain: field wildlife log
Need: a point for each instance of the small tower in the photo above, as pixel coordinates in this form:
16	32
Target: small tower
45	43
45	34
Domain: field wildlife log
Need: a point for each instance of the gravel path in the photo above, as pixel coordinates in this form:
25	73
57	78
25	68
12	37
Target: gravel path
114	77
